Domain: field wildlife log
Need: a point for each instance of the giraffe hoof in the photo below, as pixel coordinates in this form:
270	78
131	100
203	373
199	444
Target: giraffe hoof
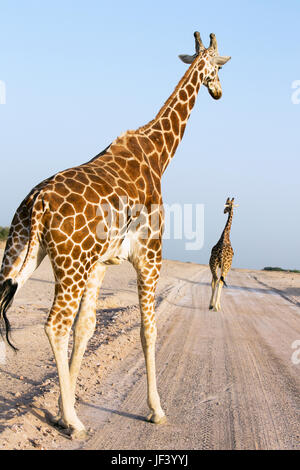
211	307
157	419
78	434
66	429
57	421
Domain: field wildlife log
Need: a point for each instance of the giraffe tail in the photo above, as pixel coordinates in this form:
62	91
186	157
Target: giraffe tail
7	292
9	287
223	280
30	262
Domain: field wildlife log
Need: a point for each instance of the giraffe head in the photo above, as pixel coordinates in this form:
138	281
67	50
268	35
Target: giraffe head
229	205
209	62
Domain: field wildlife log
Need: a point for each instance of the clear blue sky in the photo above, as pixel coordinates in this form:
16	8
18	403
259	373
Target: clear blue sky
79	73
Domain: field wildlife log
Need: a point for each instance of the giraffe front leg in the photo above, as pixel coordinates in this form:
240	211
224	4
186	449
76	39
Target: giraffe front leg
58	331
213	289
147	281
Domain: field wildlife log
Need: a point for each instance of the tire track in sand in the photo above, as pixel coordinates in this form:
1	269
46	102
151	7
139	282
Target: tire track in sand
226	379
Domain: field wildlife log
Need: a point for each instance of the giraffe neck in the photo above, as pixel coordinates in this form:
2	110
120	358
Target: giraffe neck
167	128
226	231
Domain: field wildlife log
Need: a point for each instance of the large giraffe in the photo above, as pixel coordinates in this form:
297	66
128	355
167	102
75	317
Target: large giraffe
102	212
221	257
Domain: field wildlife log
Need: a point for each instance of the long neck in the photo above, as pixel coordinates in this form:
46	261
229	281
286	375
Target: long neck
167	128
226	231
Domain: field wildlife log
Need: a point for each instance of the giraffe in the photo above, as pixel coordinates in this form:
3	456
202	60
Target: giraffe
221	257
100	213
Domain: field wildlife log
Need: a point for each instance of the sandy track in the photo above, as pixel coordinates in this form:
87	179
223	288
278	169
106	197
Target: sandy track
226	379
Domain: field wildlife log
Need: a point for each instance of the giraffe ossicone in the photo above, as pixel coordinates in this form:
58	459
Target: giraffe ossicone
61	218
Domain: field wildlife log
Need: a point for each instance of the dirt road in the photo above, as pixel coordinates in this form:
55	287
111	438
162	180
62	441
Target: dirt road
226	379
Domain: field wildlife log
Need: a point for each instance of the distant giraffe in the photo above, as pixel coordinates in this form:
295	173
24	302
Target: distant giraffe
221	257
65	218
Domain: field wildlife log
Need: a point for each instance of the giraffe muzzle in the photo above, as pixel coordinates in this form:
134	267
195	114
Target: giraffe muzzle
215	92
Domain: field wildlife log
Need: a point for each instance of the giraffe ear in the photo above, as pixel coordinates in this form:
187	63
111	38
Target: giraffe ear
187	59
220	60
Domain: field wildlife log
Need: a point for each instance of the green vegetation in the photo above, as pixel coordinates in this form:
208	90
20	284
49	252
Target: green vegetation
4	233
269	268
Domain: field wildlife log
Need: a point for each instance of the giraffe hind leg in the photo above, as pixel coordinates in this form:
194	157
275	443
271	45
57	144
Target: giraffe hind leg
213	289
58	331
221	282
84	326
85	321
225	267
217	306
213	264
